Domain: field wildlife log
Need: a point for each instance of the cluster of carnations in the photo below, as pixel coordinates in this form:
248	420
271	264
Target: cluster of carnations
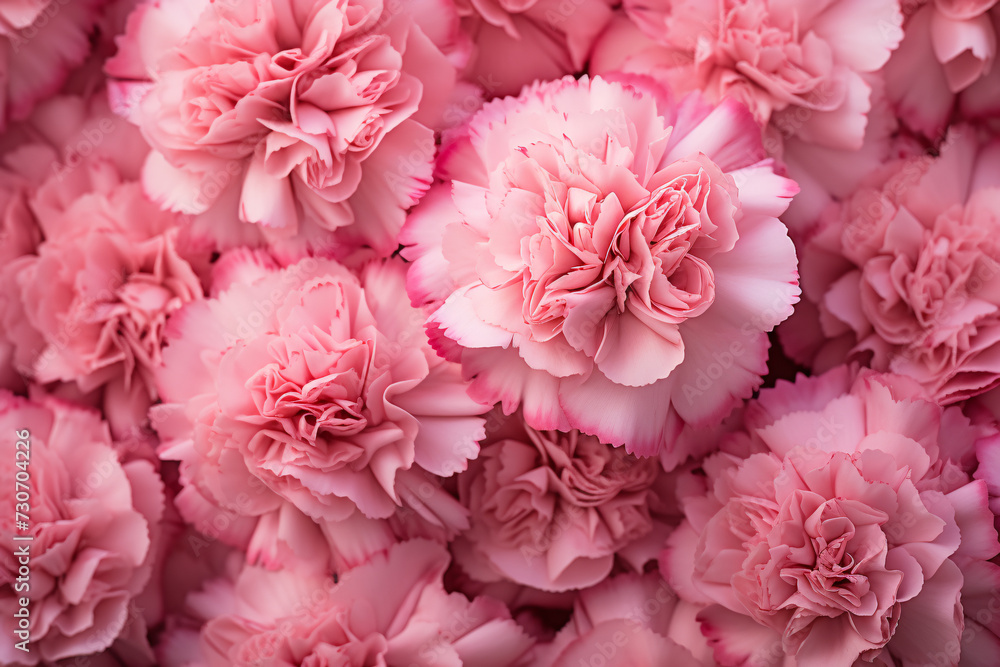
500	333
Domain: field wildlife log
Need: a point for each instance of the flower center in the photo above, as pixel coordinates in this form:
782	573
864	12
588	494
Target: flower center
313	392
133	309
586	241
146	307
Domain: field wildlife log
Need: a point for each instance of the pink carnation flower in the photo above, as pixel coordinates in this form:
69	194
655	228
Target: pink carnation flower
948	53
517	42
552	510
628	620
42	41
87	306
836	527
94	524
800	66
297	396
601	253
904	274
391	611
304	116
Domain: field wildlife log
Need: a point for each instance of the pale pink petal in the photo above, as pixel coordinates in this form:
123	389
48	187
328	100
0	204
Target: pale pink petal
965	48
601	407
844	127
267	200
727	134
975	520
915	82
865	46
932	619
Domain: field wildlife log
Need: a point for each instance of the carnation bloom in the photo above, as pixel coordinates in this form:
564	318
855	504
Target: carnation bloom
304	392
304	116
392	610
904	274
948	51
798	65
87	306
42	41
94	526
551	510
628	619
833	528
601	253
516	42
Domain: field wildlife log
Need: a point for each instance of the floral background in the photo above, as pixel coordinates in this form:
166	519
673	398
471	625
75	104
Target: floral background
569	333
